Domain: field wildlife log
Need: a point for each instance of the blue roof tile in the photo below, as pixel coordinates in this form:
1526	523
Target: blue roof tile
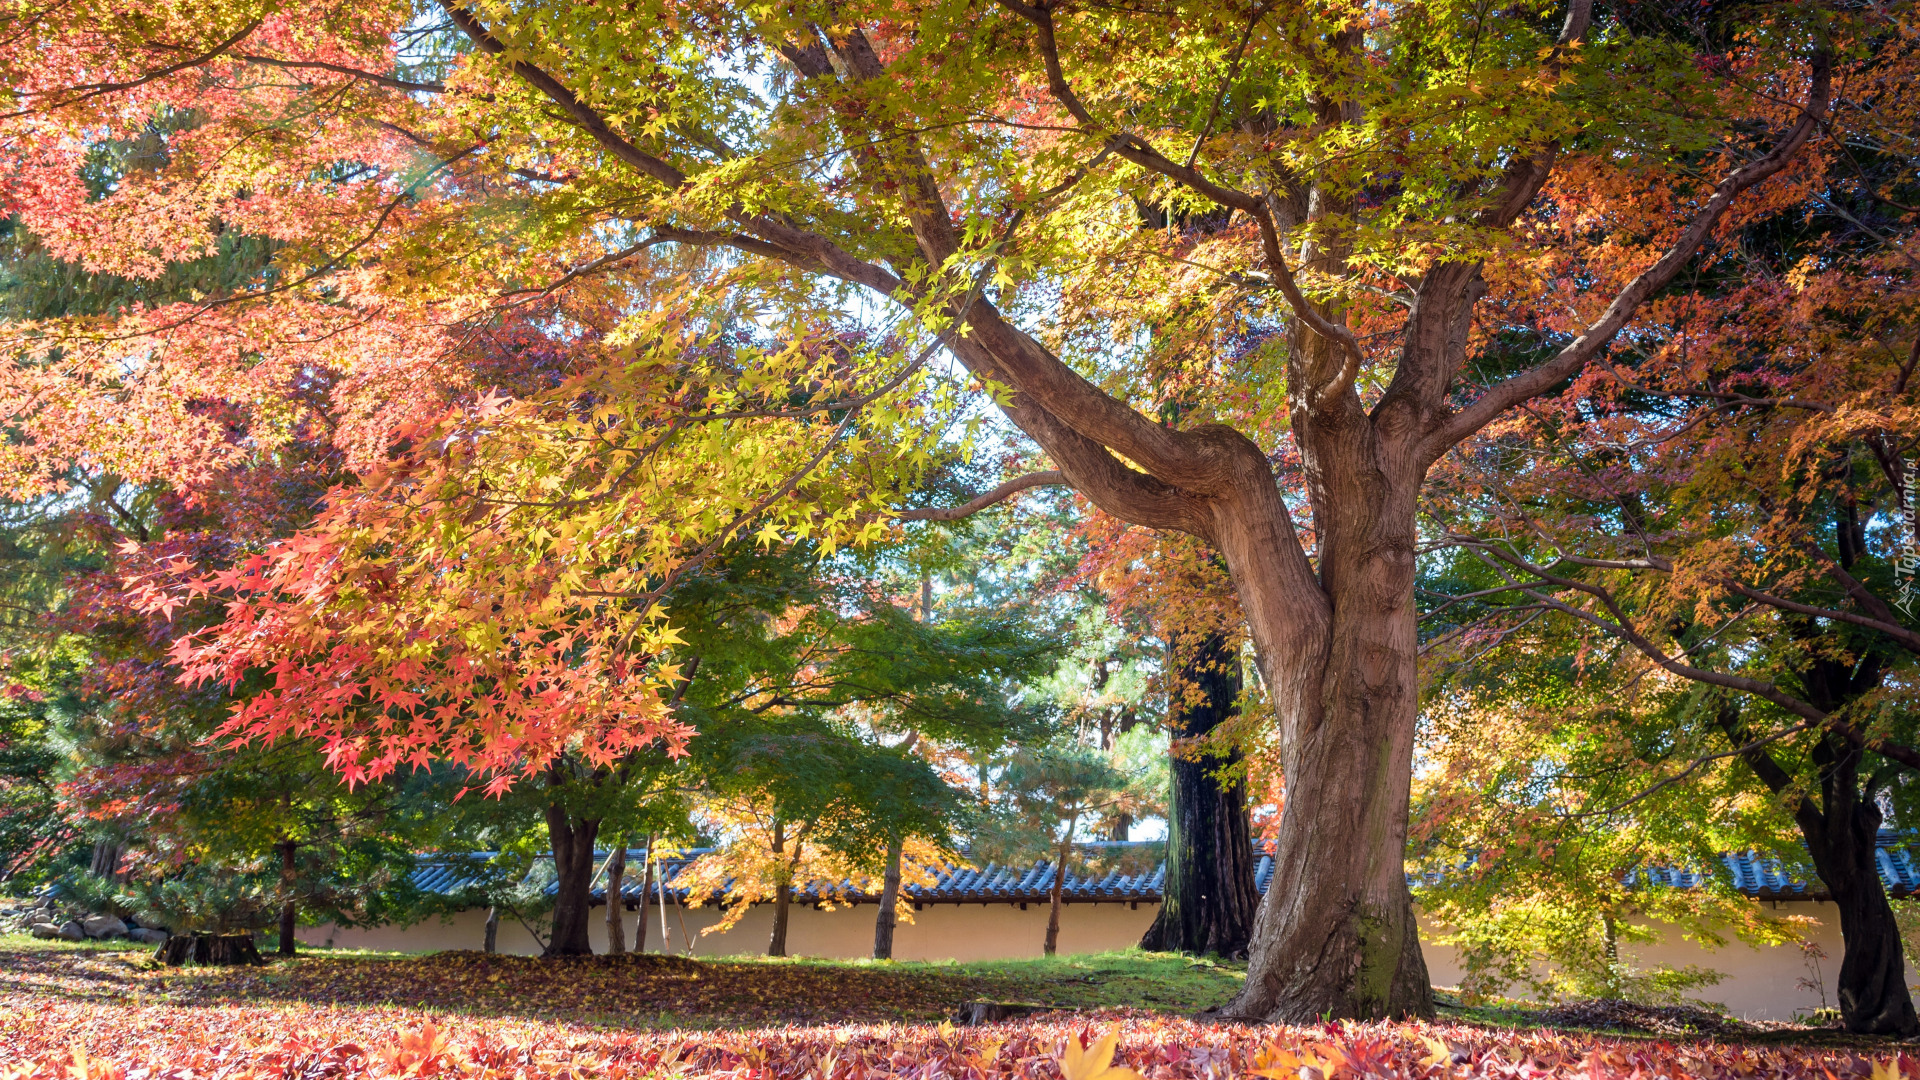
1119	872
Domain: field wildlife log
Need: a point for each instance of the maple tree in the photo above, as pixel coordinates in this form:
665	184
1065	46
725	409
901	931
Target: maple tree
1546	846
1723	514
628	189
192	838
824	711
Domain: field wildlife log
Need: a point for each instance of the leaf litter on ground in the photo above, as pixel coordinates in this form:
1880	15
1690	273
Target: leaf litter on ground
95	1016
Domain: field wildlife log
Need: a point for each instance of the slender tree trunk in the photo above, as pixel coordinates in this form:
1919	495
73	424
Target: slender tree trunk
616	900
492	940
782	893
288	913
666	939
1059	885
640	910
883	923
572	839
1209	900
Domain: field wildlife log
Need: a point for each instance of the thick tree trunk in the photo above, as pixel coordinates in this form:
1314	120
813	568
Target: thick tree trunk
1209	900
107	853
1335	934
1842	835
492	940
288	913
1054	893
1843	839
883	923
208	949
572	839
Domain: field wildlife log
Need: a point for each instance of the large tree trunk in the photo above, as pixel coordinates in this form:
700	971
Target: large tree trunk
616	900
1842	835
1843	840
1335	935
1209	900
883	923
107	853
491	942
572	840
289	914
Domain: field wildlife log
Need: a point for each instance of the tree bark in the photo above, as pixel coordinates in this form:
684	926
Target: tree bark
1208	900
640	910
883	923
782	893
1872	985
107	853
1842	835
288	912
1843	838
492	941
616	900
1054	892
572	839
208	949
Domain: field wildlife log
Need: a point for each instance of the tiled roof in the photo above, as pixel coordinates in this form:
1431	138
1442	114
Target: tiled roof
1134	873
1100	873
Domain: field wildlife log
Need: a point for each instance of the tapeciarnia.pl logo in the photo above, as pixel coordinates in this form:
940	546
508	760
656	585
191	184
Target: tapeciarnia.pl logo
1907	567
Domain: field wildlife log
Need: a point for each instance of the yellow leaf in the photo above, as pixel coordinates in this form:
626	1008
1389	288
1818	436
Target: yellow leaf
1886	1070
1095	1062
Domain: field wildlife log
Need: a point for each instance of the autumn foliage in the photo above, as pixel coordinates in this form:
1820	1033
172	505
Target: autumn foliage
68	1041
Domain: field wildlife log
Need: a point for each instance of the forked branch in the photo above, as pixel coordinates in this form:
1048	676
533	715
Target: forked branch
1529	384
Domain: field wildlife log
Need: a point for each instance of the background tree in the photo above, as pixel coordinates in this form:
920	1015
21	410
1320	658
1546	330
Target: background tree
1726	500
823	708
1548	847
1053	790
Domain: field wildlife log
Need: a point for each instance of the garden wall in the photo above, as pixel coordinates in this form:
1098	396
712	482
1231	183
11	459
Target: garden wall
1761	983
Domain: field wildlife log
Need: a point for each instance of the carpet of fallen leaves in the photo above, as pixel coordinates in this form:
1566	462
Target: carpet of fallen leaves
653	990
79	1016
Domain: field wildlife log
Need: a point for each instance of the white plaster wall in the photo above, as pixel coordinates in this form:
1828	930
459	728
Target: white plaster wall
1760	983
938	932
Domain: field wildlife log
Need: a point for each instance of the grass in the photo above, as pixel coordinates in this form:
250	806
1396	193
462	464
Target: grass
1166	982
22	943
